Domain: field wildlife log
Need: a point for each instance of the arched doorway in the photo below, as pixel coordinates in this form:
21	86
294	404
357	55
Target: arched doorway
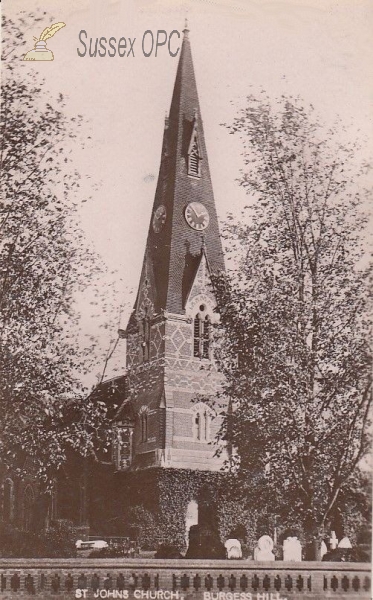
191	518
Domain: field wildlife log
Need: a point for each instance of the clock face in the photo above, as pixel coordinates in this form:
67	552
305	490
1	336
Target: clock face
159	218
196	216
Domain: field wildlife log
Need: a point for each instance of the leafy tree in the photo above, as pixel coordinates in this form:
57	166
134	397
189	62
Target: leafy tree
44	260
293	336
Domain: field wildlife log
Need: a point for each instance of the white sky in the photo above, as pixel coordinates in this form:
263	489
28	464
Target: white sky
321	50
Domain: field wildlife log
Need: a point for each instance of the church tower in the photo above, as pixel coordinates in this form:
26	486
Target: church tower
169	355
164	484
165	481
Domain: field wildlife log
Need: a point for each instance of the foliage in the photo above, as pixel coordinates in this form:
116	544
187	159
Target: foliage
177	487
56	542
150	505
346	555
44	260
167	551
233	514
109	552
144	522
293	336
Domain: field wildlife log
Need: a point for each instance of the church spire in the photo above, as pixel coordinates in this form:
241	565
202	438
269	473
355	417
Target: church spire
184	204
186	30
169	332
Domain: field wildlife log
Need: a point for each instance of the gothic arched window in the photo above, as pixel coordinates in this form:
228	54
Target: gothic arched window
122	447
197	422
28	507
145	325
201	423
201	334
8	501
144	426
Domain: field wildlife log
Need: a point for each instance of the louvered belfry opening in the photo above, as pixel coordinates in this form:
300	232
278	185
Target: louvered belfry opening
197	338
206	337
194	159
201	339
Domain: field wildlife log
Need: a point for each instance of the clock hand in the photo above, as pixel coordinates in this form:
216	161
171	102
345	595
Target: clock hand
199	214
195	215
201	220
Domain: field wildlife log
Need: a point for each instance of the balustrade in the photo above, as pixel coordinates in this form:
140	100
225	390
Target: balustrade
233	580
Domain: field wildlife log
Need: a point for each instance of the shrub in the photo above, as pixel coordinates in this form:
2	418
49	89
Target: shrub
355	554
56	542
144	523
167	551
110	552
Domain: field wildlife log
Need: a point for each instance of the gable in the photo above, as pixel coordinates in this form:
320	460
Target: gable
201	291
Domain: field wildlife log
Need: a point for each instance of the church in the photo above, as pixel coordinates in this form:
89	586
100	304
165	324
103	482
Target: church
164	473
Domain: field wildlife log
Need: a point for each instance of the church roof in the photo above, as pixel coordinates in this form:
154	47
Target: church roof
111	392
173	252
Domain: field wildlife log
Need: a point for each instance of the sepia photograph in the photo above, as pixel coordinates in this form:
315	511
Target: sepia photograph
186	299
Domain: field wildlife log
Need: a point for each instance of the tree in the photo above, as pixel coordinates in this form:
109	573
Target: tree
293	336
43	261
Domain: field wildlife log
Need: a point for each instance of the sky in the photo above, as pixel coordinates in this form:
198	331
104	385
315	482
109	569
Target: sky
320	50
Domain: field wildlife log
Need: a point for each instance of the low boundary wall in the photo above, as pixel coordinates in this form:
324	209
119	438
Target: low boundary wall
181	579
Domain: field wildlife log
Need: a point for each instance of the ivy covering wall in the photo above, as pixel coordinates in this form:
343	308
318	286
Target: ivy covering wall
150	506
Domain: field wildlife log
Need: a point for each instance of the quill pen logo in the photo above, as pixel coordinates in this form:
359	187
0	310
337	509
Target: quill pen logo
41	52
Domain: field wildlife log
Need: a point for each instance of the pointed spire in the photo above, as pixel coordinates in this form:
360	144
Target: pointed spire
185	96
186	30
174	247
